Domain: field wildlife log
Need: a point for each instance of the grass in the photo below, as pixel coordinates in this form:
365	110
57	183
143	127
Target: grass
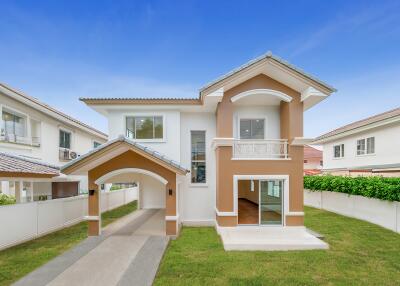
17	261
360	254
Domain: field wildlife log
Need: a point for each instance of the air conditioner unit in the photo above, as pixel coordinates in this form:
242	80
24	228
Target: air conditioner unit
73	155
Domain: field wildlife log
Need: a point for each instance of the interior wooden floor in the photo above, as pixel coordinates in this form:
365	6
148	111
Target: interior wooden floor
247	212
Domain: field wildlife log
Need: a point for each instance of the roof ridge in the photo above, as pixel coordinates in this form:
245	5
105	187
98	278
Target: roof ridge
325	135
37	101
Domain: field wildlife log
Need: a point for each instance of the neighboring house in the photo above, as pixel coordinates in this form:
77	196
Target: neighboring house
366	147
39	133
312	160
231	157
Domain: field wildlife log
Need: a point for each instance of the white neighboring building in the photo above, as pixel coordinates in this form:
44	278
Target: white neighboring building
36	131
366	147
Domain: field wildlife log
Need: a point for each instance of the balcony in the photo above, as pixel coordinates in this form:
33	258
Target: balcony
260	149
12	138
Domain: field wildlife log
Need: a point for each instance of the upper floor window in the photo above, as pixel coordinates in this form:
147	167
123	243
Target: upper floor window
13	124
366	146
144	127
65	139
252	128
338	151
198	156
305	161
96	144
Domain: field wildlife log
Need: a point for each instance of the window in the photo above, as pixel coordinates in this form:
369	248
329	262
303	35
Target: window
13	124
338	151
96	144
305	161
144	127
198	156
321	163
366	146
65	139
252	128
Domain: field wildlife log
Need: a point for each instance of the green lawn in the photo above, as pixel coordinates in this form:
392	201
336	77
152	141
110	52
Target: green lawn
360	254
19	260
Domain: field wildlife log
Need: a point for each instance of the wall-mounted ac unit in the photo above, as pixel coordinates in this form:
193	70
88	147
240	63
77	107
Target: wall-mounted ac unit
73	155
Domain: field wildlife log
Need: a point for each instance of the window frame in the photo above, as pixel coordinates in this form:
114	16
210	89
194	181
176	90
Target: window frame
366	153
15	113
198	184
251	118
163	139
70	138
341	151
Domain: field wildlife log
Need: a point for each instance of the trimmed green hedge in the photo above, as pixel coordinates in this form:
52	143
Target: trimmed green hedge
371	187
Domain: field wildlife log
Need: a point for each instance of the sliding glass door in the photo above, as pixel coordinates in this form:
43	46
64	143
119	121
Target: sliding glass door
271	202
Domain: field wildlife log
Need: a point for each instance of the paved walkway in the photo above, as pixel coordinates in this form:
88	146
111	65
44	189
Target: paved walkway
127	253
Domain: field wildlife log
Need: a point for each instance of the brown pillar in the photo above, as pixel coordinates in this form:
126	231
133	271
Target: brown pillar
94	225
171	225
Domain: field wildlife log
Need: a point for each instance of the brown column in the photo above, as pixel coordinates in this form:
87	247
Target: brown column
94	226
171	225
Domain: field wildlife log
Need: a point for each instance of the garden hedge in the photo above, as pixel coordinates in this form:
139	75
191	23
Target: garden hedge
371	187
6	200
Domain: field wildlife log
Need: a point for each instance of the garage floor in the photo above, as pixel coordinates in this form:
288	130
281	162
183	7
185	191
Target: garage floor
127	253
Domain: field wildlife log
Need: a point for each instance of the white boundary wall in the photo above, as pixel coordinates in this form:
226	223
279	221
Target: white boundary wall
23	222
380	212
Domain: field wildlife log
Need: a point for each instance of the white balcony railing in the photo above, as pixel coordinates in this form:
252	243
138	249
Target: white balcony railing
12	138
267	149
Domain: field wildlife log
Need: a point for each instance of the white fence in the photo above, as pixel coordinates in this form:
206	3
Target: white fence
23	222
383	213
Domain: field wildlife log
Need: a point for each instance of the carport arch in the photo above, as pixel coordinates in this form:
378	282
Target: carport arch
114	173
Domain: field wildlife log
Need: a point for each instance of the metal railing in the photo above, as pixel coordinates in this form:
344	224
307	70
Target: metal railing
260	149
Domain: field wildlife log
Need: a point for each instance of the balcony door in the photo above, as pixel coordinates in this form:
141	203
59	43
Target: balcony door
271	202
252	128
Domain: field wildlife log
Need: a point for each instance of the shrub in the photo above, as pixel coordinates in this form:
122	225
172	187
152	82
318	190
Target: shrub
371	187
6	200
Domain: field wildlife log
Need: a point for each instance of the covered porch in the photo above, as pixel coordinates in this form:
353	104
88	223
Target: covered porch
124	161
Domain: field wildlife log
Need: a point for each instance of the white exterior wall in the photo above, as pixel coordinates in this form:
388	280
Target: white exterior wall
28	221
271	114
386	149
380	212
152	193
170	146
197	201
81	142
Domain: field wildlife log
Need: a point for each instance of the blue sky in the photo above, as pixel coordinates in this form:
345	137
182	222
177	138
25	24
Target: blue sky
59	51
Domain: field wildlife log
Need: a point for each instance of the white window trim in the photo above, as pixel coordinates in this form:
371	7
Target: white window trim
140	114
71	143
203	184
366	147
341	152
251	118
19	113
286	198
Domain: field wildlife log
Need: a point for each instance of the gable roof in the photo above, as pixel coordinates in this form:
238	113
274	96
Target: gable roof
154	155
47	109
268	55
18	166
311	152
367	122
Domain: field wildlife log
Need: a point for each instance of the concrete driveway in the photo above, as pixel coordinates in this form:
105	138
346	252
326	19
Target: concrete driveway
127	253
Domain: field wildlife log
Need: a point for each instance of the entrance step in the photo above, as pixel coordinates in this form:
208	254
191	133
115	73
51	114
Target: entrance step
269	238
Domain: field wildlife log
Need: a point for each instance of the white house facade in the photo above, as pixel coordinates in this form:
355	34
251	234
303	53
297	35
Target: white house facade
38	132
366	147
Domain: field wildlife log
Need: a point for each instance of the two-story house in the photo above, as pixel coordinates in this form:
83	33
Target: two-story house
233	157
366	147
312	160
37	132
